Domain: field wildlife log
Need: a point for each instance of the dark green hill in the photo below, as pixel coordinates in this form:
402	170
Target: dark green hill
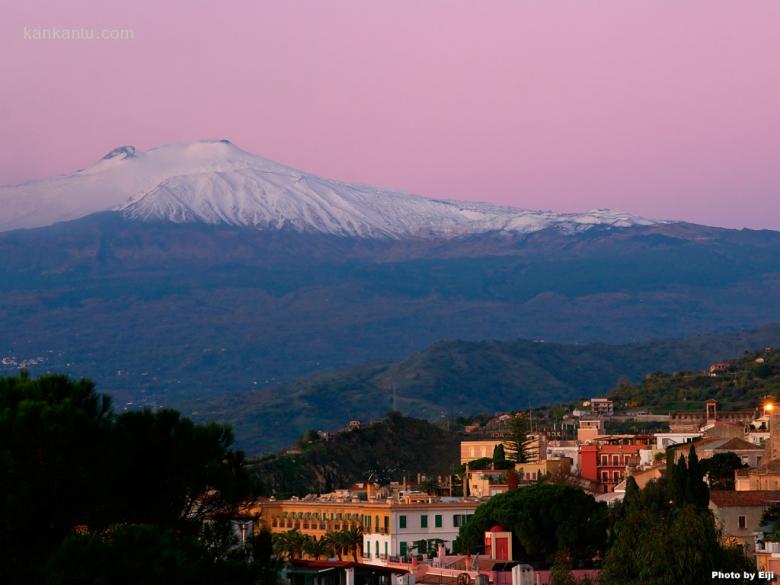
389	449
463	378
747	382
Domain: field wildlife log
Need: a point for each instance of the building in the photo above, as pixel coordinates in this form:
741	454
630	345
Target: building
767	554
739	514
765	476
693	421
568	449
485	483
391	528
589	429
601	407
761	478
719	368
606	460
749	453
498	544
489	482
472	450
665	440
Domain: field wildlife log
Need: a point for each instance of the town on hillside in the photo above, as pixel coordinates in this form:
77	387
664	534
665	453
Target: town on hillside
412	530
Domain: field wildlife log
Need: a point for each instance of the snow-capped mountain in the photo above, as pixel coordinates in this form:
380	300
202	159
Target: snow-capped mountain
216	182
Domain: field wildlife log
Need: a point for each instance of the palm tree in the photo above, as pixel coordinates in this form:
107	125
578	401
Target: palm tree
354	540
331	538
316	548
336	540
290	543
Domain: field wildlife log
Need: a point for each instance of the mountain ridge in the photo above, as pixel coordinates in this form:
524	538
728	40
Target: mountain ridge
454	378
216	182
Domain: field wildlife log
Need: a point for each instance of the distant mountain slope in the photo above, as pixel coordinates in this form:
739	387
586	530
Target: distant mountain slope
388	449
457	377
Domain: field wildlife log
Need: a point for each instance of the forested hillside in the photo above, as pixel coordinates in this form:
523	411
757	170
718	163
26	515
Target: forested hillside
389	449
746	382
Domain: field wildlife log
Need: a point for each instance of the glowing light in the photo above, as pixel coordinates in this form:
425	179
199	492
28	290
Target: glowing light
769	407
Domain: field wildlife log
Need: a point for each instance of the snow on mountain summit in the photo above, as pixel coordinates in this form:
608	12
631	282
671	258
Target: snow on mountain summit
216	182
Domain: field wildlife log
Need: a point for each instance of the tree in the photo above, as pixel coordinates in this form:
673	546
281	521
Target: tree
429	485
499	455
316	548
518	438
543	519
337	542
132	554
290	544
665	533
561	570
721	468
69	463
354	540
346	542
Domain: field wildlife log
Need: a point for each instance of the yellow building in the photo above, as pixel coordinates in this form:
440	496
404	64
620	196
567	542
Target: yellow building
391	528
471	450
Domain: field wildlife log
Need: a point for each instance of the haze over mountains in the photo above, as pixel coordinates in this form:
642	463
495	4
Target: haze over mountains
194	271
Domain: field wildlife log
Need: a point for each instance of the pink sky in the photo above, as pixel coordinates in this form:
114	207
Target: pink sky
663	108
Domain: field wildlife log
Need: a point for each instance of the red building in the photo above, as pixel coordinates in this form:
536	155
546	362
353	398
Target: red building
605	460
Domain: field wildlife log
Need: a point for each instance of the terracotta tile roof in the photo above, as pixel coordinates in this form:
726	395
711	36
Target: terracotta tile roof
702	444
720	444
736	444
731	499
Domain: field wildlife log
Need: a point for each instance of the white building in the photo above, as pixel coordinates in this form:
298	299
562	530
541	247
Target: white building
664	440
417	528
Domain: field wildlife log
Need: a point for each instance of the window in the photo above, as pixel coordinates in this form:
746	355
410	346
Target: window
402	551
377	522
616	460
616	476
385	549
376	548
387	523
402	524
742	523
437	521
459	520
424	521
605	476
605	460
